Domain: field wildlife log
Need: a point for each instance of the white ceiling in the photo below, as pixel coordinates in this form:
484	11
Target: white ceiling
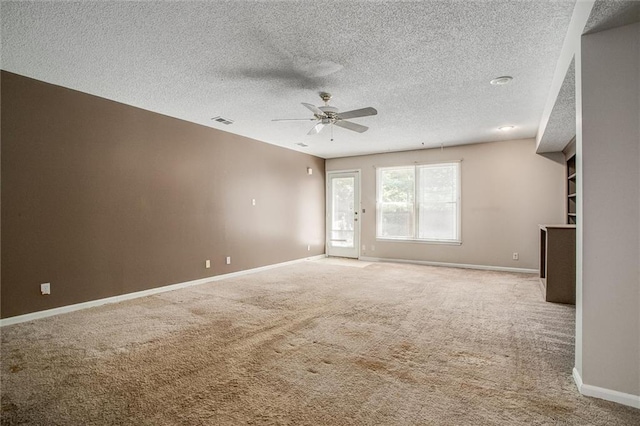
561	125
425	66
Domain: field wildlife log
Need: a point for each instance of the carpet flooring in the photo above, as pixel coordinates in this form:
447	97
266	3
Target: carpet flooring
313	343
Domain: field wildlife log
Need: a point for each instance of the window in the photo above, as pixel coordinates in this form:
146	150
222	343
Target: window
419	203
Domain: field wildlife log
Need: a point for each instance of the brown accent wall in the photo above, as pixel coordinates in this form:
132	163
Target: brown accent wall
102	199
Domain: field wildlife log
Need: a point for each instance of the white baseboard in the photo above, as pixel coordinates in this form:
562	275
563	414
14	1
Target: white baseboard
114	299
452	265
606	394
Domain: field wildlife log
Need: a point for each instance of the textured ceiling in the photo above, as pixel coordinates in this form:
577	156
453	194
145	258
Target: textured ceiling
607	14
425	66
561	127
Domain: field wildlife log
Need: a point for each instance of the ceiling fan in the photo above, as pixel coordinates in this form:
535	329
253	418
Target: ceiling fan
330	115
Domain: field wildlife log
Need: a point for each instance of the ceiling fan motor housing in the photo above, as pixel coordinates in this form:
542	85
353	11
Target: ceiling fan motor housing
330	111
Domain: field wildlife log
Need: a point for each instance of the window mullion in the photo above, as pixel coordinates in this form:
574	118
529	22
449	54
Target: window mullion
416	203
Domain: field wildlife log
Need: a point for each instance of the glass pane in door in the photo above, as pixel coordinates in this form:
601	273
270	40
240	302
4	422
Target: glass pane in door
342	214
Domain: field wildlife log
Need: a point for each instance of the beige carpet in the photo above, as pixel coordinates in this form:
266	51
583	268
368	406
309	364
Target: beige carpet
313	343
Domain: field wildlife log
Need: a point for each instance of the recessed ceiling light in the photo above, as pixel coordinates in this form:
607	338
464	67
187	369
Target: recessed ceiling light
499	81
505	128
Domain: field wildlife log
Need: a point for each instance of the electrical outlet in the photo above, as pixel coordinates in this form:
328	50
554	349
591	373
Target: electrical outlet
228	260
515	256
253	201
207	263
309	247
45	288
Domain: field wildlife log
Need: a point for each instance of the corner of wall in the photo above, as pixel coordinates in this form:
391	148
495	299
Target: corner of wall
606	394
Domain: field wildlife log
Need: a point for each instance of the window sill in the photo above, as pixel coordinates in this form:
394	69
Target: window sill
409	240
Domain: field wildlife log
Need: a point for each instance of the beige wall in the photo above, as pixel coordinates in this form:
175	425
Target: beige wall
608	257
102	199
507	191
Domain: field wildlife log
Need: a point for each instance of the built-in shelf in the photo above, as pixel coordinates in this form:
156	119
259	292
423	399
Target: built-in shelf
558	263
558	242
572	188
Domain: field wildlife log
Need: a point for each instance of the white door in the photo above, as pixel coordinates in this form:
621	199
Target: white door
343	206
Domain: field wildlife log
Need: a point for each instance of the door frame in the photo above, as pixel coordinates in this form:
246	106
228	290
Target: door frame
357	207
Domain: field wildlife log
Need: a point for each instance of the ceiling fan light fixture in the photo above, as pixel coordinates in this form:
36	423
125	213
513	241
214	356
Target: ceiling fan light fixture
501	81
505	128
328	115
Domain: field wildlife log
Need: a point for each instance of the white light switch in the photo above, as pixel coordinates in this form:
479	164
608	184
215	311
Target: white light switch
228	260
45	288
207	264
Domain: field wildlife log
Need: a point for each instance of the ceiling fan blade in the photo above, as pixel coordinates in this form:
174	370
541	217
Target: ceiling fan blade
294	119
316	129
314	109
351	126
363	112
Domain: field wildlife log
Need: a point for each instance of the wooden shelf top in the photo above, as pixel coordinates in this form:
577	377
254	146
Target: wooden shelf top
545	227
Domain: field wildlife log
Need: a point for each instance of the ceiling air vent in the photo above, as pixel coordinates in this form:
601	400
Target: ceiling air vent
222	120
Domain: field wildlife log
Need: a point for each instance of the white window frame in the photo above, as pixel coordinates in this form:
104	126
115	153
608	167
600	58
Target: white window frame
416	204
